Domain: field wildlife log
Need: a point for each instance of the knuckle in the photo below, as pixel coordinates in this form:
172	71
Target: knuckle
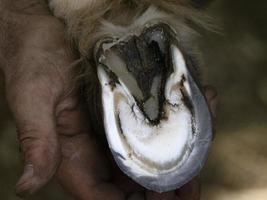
71	118
27	136
26	131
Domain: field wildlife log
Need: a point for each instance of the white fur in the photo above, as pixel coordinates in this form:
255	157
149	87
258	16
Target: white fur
64	8
151	14
87	23
185	34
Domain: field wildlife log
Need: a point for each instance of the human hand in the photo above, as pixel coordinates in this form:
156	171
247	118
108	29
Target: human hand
52	122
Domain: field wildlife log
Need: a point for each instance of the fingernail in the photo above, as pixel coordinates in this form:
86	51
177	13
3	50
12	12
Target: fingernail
22	187
27	173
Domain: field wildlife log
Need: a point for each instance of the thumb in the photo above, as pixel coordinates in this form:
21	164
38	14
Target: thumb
33	112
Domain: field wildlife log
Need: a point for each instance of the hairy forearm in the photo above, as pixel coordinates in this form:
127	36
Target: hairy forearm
14	21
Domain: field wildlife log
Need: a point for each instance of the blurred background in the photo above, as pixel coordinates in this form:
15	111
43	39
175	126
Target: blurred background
236	64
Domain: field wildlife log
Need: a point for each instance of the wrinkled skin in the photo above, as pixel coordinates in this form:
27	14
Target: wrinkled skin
53	131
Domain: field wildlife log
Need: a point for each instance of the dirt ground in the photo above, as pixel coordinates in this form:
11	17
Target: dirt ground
236	64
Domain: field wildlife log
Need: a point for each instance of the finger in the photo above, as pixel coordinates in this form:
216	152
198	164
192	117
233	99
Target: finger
83	170
161	196
212	99
137	196
190	191
33	111
126	184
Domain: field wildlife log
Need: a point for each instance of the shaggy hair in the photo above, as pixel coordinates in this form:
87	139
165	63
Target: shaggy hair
89	20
